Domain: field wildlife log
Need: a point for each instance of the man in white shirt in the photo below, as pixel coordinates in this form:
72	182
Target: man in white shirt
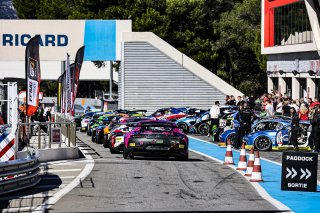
214	117
269	109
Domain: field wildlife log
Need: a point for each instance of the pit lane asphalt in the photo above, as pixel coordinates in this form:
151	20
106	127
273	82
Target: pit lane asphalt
200	184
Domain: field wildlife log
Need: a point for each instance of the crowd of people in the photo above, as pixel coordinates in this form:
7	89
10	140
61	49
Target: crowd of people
273	104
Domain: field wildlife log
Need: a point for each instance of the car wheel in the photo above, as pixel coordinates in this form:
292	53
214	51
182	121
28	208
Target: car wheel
125	155
112	151
203	129
105	144
263	143
231	137
183	157
184	127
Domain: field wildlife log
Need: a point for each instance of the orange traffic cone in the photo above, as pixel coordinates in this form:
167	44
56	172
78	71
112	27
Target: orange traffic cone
228	160
242	164
250	163
256	172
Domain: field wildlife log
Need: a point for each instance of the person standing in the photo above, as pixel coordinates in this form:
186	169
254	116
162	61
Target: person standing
269	109
245	118
286	108
314	138
294	128
279	106
303	113
214	117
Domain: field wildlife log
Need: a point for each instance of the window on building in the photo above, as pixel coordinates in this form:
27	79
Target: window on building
291	25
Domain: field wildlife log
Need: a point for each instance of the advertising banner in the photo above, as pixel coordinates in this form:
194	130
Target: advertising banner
76	75
102	38
33	77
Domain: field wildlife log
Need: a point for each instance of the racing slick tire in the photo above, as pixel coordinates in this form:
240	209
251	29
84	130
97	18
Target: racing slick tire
125	155
112	151
231	137
184	127
183	157
203	129
105	144
263	143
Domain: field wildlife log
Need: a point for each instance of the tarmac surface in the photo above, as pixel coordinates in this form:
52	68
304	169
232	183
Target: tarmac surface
148	185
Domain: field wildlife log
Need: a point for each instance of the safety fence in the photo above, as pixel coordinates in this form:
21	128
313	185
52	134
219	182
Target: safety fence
19	174
39	130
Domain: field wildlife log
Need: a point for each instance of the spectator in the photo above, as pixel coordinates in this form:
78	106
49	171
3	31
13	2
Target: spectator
232	100
48	114
309	102
295	106
294	128
214	118
269	108
227	100
239	100
316	102
279	106
286	108
303	113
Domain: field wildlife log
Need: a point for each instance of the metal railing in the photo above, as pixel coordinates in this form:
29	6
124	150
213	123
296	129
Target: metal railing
68	130
19	174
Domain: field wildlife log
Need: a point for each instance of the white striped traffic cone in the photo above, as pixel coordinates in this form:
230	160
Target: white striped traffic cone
250	163
256	172
242	164
228	160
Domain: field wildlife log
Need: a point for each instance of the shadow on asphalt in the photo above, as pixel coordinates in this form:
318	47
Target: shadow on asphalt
165	159
52	184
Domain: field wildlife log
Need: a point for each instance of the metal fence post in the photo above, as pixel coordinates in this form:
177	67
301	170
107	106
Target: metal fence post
68	134
50	139
39	137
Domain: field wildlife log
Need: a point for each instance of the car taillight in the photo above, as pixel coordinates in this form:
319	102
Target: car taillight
86	121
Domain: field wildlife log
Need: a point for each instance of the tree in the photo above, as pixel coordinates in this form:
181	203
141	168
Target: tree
223	36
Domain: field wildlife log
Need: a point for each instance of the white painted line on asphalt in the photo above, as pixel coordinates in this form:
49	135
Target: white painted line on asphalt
57	177
55	198
49	186
66	162
62	170
263	193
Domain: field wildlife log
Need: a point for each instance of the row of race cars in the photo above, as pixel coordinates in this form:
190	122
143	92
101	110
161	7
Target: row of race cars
165	131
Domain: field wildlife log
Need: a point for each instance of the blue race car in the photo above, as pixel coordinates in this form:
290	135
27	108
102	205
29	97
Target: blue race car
263	135
190	123
283	135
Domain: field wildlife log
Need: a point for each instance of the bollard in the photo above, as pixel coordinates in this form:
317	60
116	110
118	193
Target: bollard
39	137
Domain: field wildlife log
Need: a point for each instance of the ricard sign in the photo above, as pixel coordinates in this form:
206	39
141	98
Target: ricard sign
102	38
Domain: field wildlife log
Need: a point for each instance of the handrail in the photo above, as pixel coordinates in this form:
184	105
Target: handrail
24	172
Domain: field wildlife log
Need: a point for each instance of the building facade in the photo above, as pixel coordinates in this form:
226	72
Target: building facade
290	37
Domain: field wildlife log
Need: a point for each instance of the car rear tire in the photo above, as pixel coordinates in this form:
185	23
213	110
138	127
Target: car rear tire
203	129
183	157
263	143
105	144
125	155
184	127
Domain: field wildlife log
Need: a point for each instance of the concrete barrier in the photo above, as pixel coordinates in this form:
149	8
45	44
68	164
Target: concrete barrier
54	154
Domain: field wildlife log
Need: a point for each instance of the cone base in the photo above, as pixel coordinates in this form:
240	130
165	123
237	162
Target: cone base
256	180
241	168
228	163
